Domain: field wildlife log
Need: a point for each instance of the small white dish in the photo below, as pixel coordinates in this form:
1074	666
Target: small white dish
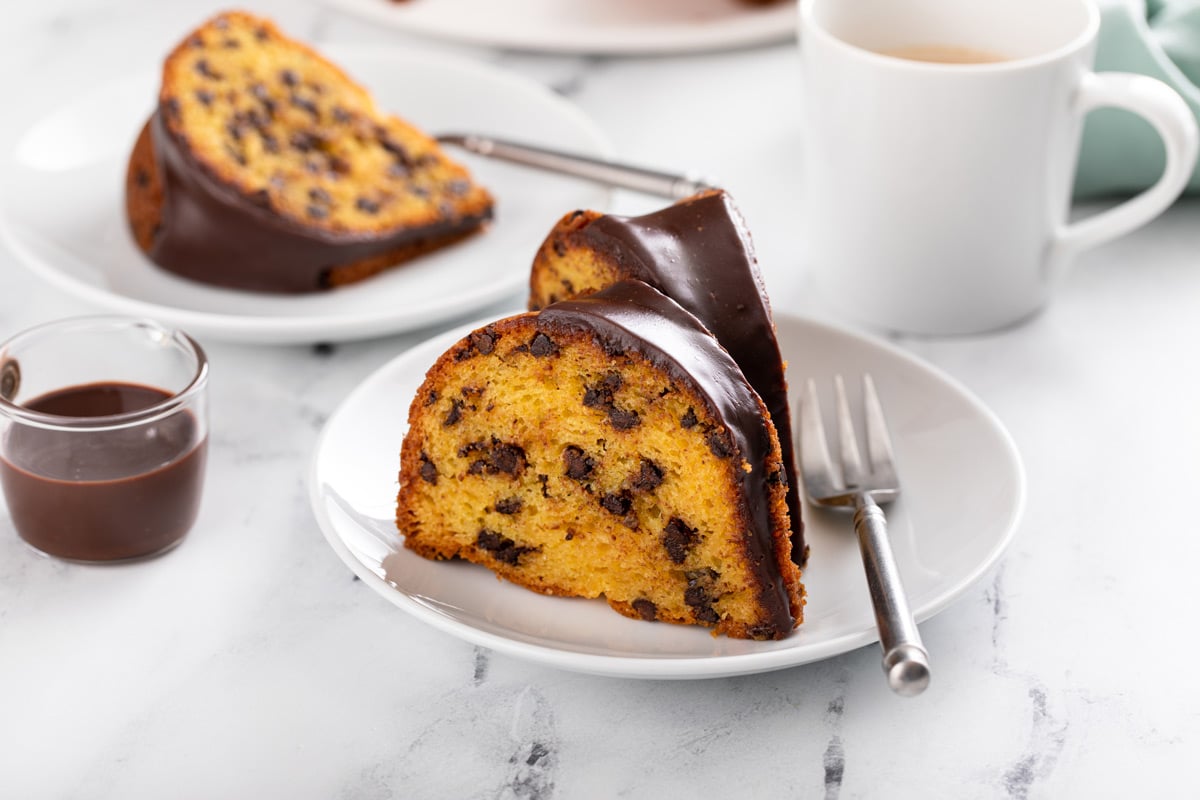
614	27
62	209
964	490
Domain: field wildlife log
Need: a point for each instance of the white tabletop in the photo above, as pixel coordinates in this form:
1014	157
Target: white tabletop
250	663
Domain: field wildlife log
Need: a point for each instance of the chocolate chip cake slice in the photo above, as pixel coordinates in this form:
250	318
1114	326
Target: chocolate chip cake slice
698	252
605	447
266	168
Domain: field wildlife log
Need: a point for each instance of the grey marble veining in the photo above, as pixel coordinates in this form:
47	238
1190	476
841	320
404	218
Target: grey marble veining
251	663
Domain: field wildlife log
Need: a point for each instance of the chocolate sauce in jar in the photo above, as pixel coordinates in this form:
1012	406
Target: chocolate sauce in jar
104	495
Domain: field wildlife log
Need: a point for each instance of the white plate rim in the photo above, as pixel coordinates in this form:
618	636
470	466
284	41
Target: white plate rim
775	25
677	667
302	329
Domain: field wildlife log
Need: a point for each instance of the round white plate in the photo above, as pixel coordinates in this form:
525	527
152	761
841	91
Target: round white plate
587	26
963	494
62	209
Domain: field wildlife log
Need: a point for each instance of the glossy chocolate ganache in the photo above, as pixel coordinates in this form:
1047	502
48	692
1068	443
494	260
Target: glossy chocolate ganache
103	494
212	233
630	315
698	252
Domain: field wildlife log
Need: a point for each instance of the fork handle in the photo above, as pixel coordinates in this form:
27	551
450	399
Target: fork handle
905	660
609	173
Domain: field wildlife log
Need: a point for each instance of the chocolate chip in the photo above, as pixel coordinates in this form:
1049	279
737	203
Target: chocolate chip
319	195
508	458
678	538
232	44
196	42
302	141
698	594
701	604
304	104
202	67
777	478
431	398
689	420
270	143
509	505
402	171
457	188
341	115
172	108
560	249
396	149
543	480
484	341
501	547
427	470
261	198
316	212
602	397
618	504
221	23
366	205
494	457
289	77
541	345
339	165
454	415
719	445
645	609
649	477
205	97
578	465
762	632
262	34
623	420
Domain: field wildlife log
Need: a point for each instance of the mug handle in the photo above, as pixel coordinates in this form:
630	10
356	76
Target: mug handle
1163	108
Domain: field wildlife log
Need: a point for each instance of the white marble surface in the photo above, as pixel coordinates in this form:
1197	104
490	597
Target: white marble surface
249	663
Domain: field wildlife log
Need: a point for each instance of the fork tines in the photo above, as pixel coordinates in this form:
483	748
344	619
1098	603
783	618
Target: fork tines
820	478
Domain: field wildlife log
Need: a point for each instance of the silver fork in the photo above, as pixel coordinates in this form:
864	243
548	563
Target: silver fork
861	489
610	173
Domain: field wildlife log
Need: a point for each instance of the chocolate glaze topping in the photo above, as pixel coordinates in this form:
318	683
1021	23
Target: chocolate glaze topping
633	316
698	252
210	232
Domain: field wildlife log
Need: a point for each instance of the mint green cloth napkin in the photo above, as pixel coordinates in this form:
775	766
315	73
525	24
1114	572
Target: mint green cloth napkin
1121	153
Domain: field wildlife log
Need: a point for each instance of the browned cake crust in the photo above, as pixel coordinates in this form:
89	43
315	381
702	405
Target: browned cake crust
574	458
265	167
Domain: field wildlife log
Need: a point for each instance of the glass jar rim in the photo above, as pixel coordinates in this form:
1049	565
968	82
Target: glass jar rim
158	410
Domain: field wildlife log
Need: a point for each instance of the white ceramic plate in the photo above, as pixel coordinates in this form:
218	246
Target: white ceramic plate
587	26
963	495
62	207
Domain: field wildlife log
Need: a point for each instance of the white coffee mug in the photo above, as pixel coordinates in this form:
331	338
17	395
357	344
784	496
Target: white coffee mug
936	194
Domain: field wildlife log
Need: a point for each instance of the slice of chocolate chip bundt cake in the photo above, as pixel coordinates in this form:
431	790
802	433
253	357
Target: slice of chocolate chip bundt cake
605	446
697	252
266	168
